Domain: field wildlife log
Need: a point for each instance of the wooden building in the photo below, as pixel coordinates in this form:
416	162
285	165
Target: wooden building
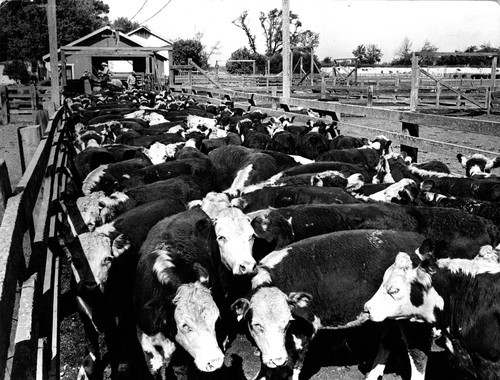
123	53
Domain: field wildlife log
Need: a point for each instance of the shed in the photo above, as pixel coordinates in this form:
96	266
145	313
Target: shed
122	52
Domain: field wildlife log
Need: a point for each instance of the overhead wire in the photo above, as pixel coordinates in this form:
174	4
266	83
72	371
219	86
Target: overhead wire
140	9
162	8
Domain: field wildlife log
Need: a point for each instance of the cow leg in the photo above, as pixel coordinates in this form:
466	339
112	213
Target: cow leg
418	340
379	363
158	350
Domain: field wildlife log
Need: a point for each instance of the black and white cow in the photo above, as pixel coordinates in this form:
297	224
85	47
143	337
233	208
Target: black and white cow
485	189
329	277
459	297
456	233
478	166
284	196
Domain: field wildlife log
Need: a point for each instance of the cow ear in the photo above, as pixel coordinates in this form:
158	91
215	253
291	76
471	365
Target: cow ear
299	299
492	164
427	185
462	159
365	141
194	204
203	275
240	307
121	244
426	249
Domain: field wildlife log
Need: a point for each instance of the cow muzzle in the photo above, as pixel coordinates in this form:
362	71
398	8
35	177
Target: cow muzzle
210	363
244	268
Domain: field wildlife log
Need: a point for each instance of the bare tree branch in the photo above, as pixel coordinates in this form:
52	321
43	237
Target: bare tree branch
241	22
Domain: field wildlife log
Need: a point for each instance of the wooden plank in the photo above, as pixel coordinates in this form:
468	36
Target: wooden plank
451	88
11	238
41	370
456	54
26	340
29	139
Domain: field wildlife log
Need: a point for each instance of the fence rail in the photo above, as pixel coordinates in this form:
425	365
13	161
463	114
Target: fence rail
393	91
276	106
21	103
29	264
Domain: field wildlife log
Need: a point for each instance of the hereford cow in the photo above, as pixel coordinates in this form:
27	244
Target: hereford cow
291	195
318	276
456	233
459	297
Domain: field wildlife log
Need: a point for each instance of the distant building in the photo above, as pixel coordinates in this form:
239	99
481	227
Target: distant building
120	64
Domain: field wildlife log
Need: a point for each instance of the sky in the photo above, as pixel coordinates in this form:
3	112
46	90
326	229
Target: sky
342	24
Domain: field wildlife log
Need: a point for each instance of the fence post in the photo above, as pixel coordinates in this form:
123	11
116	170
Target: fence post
415	74
274	94
323	87
487	101
438	93
4	112
5	187
29	137
369	102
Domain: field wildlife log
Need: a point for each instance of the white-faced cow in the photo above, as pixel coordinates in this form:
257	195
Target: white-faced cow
459	297
330	277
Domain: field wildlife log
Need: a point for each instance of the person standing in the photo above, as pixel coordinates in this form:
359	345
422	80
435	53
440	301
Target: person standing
104	73
132	80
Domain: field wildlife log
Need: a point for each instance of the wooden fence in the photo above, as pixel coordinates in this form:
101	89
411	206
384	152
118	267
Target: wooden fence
29	264
20	103
410	121
392	91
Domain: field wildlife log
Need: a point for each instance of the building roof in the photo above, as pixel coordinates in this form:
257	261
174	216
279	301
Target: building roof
123	37
134	33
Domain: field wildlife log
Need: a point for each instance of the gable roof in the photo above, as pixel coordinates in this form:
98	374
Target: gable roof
89	36
145	28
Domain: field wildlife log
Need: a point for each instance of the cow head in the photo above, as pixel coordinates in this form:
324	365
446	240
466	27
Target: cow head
235	237
406	291
159	153
381	144
329	178
268	313
478	165
213	203
195	316
91	211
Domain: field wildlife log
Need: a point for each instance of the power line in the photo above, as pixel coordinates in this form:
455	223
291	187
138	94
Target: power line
140	9
162	8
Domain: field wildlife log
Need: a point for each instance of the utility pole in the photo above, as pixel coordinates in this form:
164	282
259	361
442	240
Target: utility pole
54	61
286	48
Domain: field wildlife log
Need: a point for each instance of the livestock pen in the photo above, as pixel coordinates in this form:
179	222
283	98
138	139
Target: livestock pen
409	136
30	260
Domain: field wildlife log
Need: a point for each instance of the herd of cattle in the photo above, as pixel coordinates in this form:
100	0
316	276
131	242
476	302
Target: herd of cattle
191	223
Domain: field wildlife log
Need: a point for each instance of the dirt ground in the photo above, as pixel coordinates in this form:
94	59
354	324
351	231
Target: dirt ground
338	363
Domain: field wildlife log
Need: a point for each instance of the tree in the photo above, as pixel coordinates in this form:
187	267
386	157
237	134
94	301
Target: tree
307	39
369	54
124	25
373	54
271	24
24	31
428	47
17	70
183	49
241	22
403	53
246	67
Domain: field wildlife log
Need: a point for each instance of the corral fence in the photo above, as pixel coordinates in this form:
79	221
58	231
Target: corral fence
409	138
418	89
30	262
22	103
